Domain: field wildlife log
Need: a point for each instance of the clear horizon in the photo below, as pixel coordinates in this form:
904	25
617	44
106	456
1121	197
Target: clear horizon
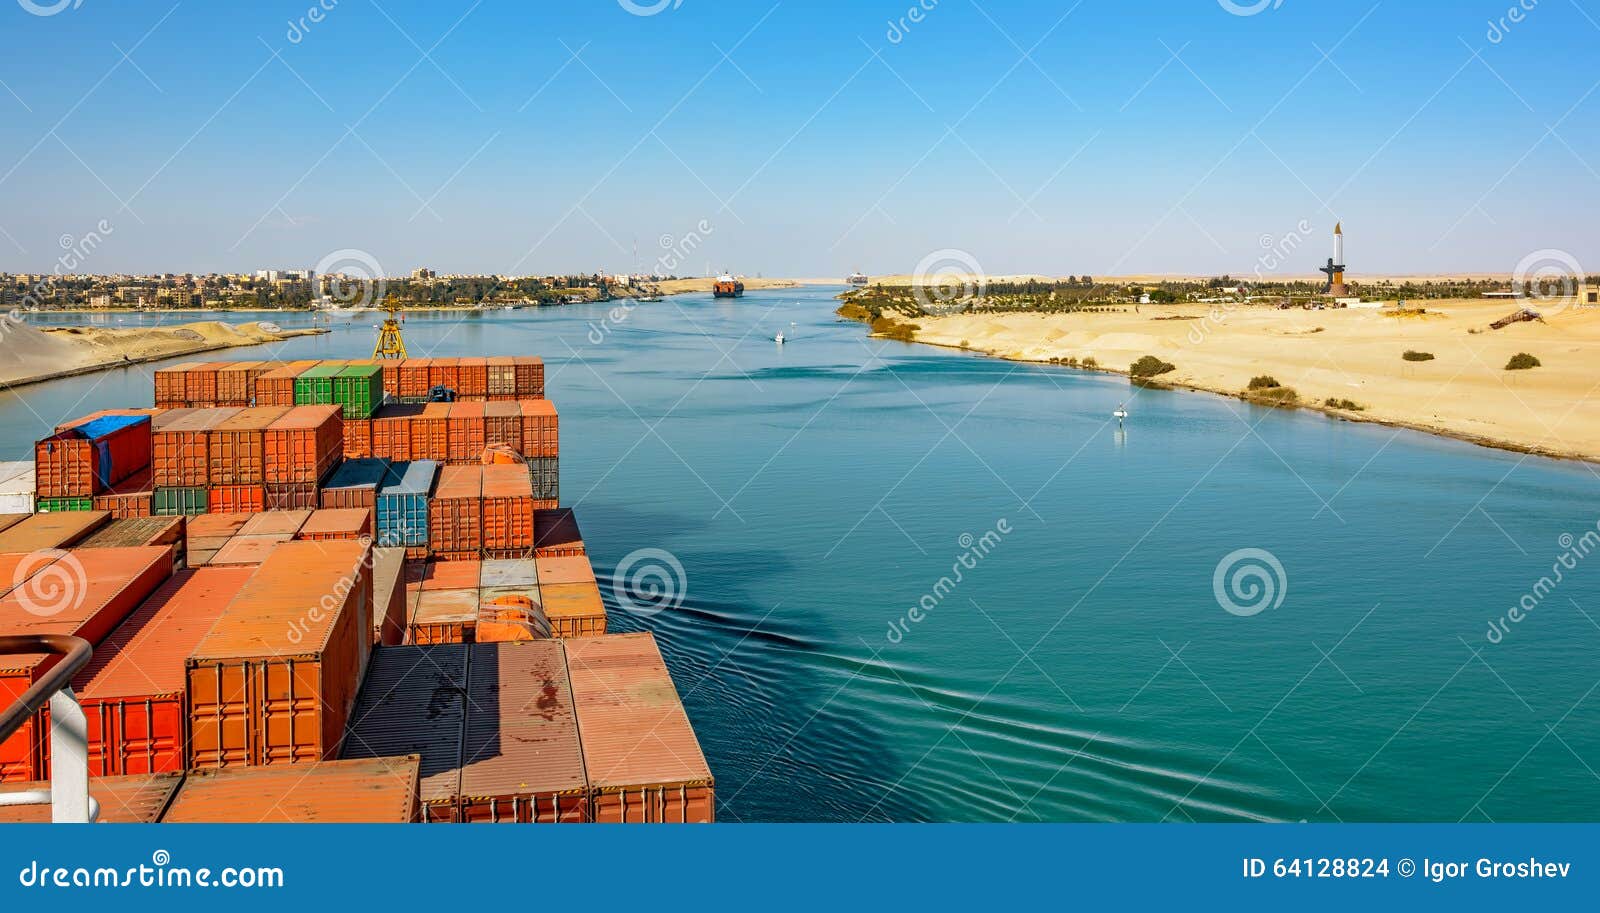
799	140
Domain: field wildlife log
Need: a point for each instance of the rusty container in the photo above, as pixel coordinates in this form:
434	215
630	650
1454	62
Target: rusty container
465	432
507	511
573	609
200	384
355	484
371	791
133	689
275	679
455	516
57	530
291	495
414	374
170	384
530	376
501	378
181	450
337	523
407	685
443	617
391	431
443	372
521	759
236	381
472	378
391	375
123	800
132	497
388	596
304	445
643	761
84	593
541	435
236	446
430	433
556	534
358	441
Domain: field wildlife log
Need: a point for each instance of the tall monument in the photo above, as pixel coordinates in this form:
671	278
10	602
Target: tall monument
1335	268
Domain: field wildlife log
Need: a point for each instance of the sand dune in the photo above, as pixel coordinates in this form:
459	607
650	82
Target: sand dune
1354	354
29	354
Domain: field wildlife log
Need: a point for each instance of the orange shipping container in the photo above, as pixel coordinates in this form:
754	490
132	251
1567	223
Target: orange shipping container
200	383
415	377
55	530
236	498
170	384
375	791
391	431
444	617
123	800
357	438
502	424
275	679
472	377
501	378
541	435
521	760
304	444
508	511
236	446
556	534
455	516
291	495
180	450
132	497
450	575
443	372
85	593
466	432
430	433
643	761
573	609
530	376
236	381
337	523
276	387
132	690
280	523
388	596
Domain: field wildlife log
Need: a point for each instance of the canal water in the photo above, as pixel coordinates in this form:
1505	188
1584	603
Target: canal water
896	582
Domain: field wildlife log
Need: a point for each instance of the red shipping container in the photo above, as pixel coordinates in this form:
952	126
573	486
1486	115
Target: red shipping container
414	377
501	377
388	596
530	376
337	523
291	496
507	511
466	432
131	498
304	444
276	387
181	450
430	433
540	429
643	761
85	593
391	375
472	375
236	381
449	575
357	438
502	424
443	372
246	499
133	688
236	447
391	431
200	384
72	464
455	516
275	679
169	384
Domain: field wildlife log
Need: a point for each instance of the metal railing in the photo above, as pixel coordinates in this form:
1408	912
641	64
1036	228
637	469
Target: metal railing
68	795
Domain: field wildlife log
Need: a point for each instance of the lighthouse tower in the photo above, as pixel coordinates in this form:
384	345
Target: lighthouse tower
1336	286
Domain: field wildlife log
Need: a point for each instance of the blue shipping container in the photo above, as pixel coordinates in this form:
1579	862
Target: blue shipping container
402	505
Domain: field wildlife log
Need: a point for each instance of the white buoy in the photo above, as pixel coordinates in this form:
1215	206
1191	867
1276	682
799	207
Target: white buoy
1121	415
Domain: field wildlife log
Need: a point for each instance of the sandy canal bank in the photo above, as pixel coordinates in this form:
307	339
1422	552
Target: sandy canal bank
29	354
1353	355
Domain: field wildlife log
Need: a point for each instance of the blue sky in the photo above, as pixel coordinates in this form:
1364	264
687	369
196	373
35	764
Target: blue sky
1148	137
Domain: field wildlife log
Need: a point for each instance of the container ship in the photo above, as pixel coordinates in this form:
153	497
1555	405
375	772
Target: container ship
857	280
727	287
416	614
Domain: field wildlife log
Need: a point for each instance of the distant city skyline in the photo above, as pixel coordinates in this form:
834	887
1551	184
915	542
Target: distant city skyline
798	140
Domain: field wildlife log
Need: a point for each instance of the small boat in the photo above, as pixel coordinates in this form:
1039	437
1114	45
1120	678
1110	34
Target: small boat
727	287
779	339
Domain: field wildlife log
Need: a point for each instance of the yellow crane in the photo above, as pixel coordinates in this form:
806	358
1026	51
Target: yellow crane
390	343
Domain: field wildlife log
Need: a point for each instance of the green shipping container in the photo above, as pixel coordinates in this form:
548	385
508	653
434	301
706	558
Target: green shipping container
314	386
57	505
359	389
172	502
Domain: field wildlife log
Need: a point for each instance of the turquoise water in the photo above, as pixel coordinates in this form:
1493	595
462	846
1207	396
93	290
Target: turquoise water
1083	668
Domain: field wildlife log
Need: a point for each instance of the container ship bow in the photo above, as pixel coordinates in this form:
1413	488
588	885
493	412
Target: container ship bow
727	287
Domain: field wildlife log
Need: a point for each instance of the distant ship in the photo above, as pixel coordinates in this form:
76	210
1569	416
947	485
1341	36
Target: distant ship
859	280
727	287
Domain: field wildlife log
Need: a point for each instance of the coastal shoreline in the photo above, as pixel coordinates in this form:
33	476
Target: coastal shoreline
123	351
1063	340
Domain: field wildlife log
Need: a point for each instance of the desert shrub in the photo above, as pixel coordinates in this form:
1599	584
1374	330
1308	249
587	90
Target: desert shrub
1273	396
1264	382
1089	361
1348	405
1413	355
1150	366
1522	361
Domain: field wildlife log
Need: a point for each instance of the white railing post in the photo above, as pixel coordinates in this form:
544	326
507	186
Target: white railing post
69	760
